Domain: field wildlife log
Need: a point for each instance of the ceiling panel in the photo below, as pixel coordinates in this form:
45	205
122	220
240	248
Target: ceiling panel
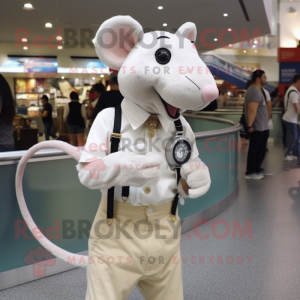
91	13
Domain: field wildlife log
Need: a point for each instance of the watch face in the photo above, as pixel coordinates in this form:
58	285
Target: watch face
182	152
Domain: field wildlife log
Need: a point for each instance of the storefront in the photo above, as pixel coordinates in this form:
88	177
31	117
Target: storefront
33	77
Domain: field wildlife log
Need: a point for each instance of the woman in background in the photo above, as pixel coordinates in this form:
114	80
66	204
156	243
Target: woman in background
7	113
75	116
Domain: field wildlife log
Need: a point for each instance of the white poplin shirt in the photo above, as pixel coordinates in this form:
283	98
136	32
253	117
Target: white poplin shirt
134	132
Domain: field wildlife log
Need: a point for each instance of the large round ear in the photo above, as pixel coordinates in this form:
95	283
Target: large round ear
188	30
115	38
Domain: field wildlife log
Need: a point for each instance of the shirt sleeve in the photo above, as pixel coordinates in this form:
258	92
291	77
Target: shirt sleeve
294	97
98	141
189	134
47	107
66	112
254	95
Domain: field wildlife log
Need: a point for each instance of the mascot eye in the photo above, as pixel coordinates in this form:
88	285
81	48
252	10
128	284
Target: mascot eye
163	56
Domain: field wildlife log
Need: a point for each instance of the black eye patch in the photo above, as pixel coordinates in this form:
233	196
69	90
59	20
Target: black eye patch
192	42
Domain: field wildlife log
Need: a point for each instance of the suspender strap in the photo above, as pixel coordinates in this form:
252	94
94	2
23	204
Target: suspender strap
114	146
179	127
175	201
179	130
125	192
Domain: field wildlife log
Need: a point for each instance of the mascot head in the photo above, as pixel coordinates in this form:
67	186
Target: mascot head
159	71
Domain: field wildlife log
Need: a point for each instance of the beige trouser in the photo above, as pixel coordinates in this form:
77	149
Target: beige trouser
141	248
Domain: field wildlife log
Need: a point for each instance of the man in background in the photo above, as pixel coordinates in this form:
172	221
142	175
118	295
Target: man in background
112	98
95	93
257	118
47	118
290	119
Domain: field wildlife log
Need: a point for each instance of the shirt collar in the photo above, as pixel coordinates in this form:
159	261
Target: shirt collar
136	116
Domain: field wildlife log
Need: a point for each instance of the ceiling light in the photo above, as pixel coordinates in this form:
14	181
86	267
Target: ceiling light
62	77
59	38
59	47
229	29
24	40
215	39
93	78
28	6
165	24
101	75
225	15
48	25
160	7
25	48
245	51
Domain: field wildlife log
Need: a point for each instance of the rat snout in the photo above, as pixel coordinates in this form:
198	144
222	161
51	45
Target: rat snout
209	93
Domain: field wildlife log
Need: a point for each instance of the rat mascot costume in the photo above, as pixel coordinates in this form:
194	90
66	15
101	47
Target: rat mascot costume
141	156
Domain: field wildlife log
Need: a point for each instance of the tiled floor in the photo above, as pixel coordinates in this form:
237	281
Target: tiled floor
269	262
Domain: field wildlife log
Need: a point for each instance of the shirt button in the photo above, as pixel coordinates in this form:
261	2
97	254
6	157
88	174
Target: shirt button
147	190
150	211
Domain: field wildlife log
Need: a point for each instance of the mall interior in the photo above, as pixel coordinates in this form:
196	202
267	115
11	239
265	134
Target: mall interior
239	238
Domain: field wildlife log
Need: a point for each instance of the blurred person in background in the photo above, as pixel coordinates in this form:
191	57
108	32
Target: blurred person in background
284	129
76	119
269	107
47	118
112	98
220	100
290	119
7	113
257	118
27	123
95	93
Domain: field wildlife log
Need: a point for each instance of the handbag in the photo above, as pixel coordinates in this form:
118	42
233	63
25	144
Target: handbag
244	132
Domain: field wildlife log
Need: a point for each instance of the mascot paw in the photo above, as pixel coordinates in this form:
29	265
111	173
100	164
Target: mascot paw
197	176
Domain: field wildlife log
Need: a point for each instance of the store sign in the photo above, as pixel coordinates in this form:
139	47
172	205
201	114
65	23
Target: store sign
289	55
288	71
41	65
85	66
29	65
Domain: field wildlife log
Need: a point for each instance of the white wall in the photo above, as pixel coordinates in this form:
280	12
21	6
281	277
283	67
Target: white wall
289	24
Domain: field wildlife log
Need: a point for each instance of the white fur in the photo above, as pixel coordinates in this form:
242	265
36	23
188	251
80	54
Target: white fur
137	79
197	176
128	174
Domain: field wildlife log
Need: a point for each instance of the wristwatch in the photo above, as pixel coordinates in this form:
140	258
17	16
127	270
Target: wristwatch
178	151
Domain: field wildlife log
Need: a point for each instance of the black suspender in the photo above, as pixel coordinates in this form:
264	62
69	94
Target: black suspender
114	147
179	130
288	98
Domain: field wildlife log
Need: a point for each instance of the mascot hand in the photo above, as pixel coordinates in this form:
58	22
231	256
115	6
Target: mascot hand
196	175
131	168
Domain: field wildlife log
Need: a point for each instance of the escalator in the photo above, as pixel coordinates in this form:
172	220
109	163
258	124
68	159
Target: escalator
229	71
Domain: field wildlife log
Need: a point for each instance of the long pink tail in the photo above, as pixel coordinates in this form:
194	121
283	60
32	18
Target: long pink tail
71	258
